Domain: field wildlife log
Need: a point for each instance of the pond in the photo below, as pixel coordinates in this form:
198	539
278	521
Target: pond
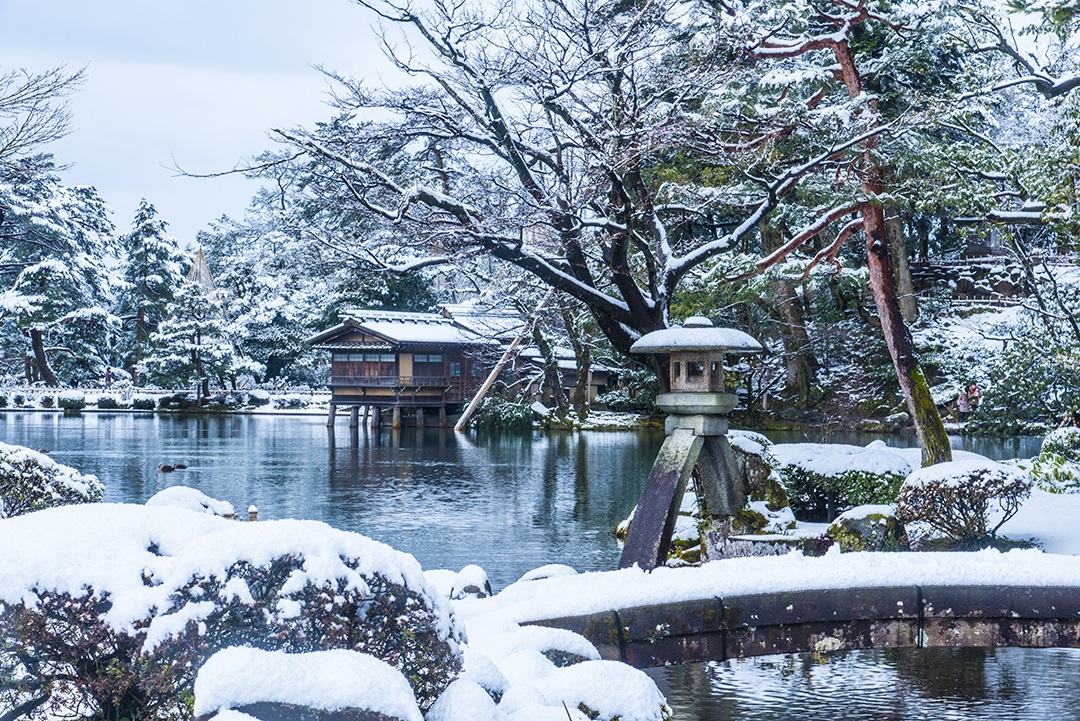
511	503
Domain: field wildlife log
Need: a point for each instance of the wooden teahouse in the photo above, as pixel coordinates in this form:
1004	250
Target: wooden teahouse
412	362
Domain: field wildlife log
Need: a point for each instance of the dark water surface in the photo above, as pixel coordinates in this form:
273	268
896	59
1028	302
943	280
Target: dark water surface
930	684
508	503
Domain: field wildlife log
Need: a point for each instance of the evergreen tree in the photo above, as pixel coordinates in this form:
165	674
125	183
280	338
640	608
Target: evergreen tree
191	344
58	244
152	273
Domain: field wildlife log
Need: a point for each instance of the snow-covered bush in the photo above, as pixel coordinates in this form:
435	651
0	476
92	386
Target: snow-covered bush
30	481
1057	467
18	399
119	629
294	685
143	402
3	400
71	400
964	501
1064	442
869	528
177	401
823	480
107	402
192	500
48	400
292	400
258	398
498	413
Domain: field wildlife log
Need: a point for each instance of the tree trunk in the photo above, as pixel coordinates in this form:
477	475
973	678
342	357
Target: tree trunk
583	362
787	309
552	374
41	359
928	424
905	287
140	323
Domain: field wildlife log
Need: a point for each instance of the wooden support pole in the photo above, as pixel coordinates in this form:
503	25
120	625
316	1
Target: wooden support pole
330	416
650	533
475	402
354	416
419	417
376	417
397	417
442	417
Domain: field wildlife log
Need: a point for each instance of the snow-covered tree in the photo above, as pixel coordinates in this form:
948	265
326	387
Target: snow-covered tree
55	263
191	345
33	110
152	270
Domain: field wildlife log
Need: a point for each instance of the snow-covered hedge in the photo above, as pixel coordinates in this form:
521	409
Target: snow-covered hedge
71	400
143	402
823	480
107	402
119	605
964	501
30	481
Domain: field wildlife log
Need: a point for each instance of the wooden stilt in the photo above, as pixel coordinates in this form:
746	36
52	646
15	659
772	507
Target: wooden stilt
330	416
354	416
419	417
376	417
442	416
397	417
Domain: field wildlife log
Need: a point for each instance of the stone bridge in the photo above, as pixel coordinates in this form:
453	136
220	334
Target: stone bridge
832	620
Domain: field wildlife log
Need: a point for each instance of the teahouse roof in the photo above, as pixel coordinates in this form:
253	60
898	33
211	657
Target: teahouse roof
694	335
397	329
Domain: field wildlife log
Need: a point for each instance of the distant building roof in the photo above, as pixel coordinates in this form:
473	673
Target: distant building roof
397	329
502	325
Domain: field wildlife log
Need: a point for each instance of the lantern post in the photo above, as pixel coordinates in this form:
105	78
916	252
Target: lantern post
697	406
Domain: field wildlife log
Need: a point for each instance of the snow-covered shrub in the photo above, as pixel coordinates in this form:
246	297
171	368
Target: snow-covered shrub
107	403
119	629
30	481
1064	442
823	480
18	399
292	400
48	400
258	398
869	528
964	501
638	395
143	402
177	401
193	500
71	400
261	683
503	414
3	400
1057	467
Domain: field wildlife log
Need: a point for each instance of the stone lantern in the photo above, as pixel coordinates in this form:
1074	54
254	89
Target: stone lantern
697	405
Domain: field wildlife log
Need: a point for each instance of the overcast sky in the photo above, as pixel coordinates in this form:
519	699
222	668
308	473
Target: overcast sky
193	83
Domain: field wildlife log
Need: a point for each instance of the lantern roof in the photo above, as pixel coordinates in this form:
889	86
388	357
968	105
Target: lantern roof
696	334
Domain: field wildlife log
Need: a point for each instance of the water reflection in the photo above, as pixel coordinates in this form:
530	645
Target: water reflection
508	502
1012	684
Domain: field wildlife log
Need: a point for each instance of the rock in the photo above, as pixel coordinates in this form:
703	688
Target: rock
869	528
472	581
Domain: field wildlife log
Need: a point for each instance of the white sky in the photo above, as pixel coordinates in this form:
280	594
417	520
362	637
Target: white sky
189	83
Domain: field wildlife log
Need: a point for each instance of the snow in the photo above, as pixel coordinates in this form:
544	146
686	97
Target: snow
325	680
191	499
141	555
957	472
836	459
463	701
696	338
602	591
868	510
472	580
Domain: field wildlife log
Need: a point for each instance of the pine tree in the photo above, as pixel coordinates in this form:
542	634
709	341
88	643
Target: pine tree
152	273
191	344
